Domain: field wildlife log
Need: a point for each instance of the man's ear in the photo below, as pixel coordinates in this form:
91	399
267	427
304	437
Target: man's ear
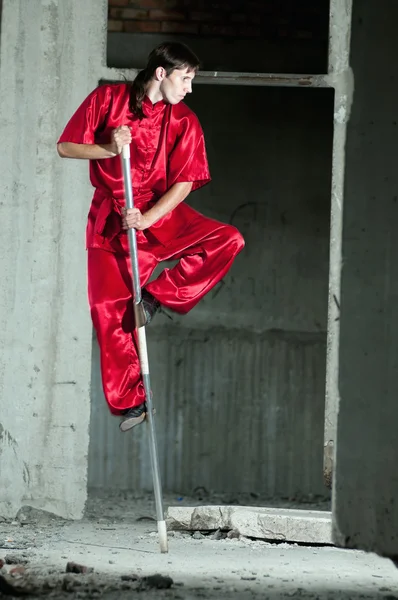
160	73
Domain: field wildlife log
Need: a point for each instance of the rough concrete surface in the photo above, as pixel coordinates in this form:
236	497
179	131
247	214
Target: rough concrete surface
117	543
341	77
366	481
50	56
276	524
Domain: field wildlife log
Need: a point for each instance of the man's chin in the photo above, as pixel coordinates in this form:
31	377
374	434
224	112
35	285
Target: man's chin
173	101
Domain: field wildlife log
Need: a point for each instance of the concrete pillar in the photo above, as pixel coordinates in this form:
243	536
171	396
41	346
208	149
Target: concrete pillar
52	52
340	77
365	495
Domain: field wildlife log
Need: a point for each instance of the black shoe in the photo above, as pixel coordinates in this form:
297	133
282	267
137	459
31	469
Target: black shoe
132	417
151	306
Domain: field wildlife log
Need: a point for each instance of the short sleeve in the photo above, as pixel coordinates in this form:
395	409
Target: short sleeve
88	117
188	159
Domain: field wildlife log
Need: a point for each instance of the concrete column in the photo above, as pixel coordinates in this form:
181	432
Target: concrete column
365	510
340	77
52	52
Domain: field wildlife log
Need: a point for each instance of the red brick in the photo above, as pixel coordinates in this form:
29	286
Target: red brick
157	4
115	25
217	30
199	4
283	32
178	27
226	6
261	6
141	26
127	13
204	16
249	31
238	18
255	18
166	15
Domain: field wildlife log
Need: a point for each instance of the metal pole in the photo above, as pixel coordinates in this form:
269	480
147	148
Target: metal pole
143	356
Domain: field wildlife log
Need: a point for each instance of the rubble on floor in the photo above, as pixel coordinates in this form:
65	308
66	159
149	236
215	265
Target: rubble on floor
113	554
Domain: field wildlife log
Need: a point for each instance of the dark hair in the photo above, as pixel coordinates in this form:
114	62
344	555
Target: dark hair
170	56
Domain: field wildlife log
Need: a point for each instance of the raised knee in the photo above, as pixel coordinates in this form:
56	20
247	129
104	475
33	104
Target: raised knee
235	237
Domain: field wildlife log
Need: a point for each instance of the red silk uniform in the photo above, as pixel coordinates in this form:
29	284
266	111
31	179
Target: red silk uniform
168	147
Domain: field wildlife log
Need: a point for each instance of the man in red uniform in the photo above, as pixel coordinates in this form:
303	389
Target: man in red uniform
168	161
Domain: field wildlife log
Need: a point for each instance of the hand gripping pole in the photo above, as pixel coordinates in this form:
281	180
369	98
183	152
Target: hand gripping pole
143	355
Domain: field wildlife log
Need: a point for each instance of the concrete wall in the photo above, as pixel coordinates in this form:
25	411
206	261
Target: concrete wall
341	78
243	375
269	317
366	480
47	66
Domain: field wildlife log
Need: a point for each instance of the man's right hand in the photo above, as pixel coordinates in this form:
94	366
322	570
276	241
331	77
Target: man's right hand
120	137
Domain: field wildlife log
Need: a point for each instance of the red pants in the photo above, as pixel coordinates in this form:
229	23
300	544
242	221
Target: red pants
205	252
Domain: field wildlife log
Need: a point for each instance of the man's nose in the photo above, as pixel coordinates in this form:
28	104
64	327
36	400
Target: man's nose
188	88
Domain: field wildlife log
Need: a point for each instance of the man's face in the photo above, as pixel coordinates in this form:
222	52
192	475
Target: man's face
175	87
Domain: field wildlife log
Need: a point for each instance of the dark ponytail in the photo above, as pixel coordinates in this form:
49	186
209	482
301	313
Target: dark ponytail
138	90
170	56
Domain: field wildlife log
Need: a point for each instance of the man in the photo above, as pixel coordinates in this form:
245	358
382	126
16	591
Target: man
168	161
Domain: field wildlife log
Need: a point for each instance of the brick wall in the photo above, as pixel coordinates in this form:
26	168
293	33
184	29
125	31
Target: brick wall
270	19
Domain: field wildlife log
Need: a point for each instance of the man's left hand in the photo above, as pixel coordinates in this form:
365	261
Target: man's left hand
133	218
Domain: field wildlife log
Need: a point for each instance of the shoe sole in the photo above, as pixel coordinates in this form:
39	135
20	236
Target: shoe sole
128	424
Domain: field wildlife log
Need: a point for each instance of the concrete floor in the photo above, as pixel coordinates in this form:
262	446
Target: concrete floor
117	538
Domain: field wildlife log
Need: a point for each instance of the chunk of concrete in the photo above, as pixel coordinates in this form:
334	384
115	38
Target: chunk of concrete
303	526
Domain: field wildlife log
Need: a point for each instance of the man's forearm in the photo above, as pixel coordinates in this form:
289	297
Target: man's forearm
172	198
88	151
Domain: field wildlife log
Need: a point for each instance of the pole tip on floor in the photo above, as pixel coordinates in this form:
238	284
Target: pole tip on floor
162	530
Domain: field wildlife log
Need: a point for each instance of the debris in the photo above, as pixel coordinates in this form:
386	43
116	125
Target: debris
129	578
18	570
9	589
16	559
200	493
218	535
175	534
159	582
233	534
198	536
73	567
70	583
28	515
